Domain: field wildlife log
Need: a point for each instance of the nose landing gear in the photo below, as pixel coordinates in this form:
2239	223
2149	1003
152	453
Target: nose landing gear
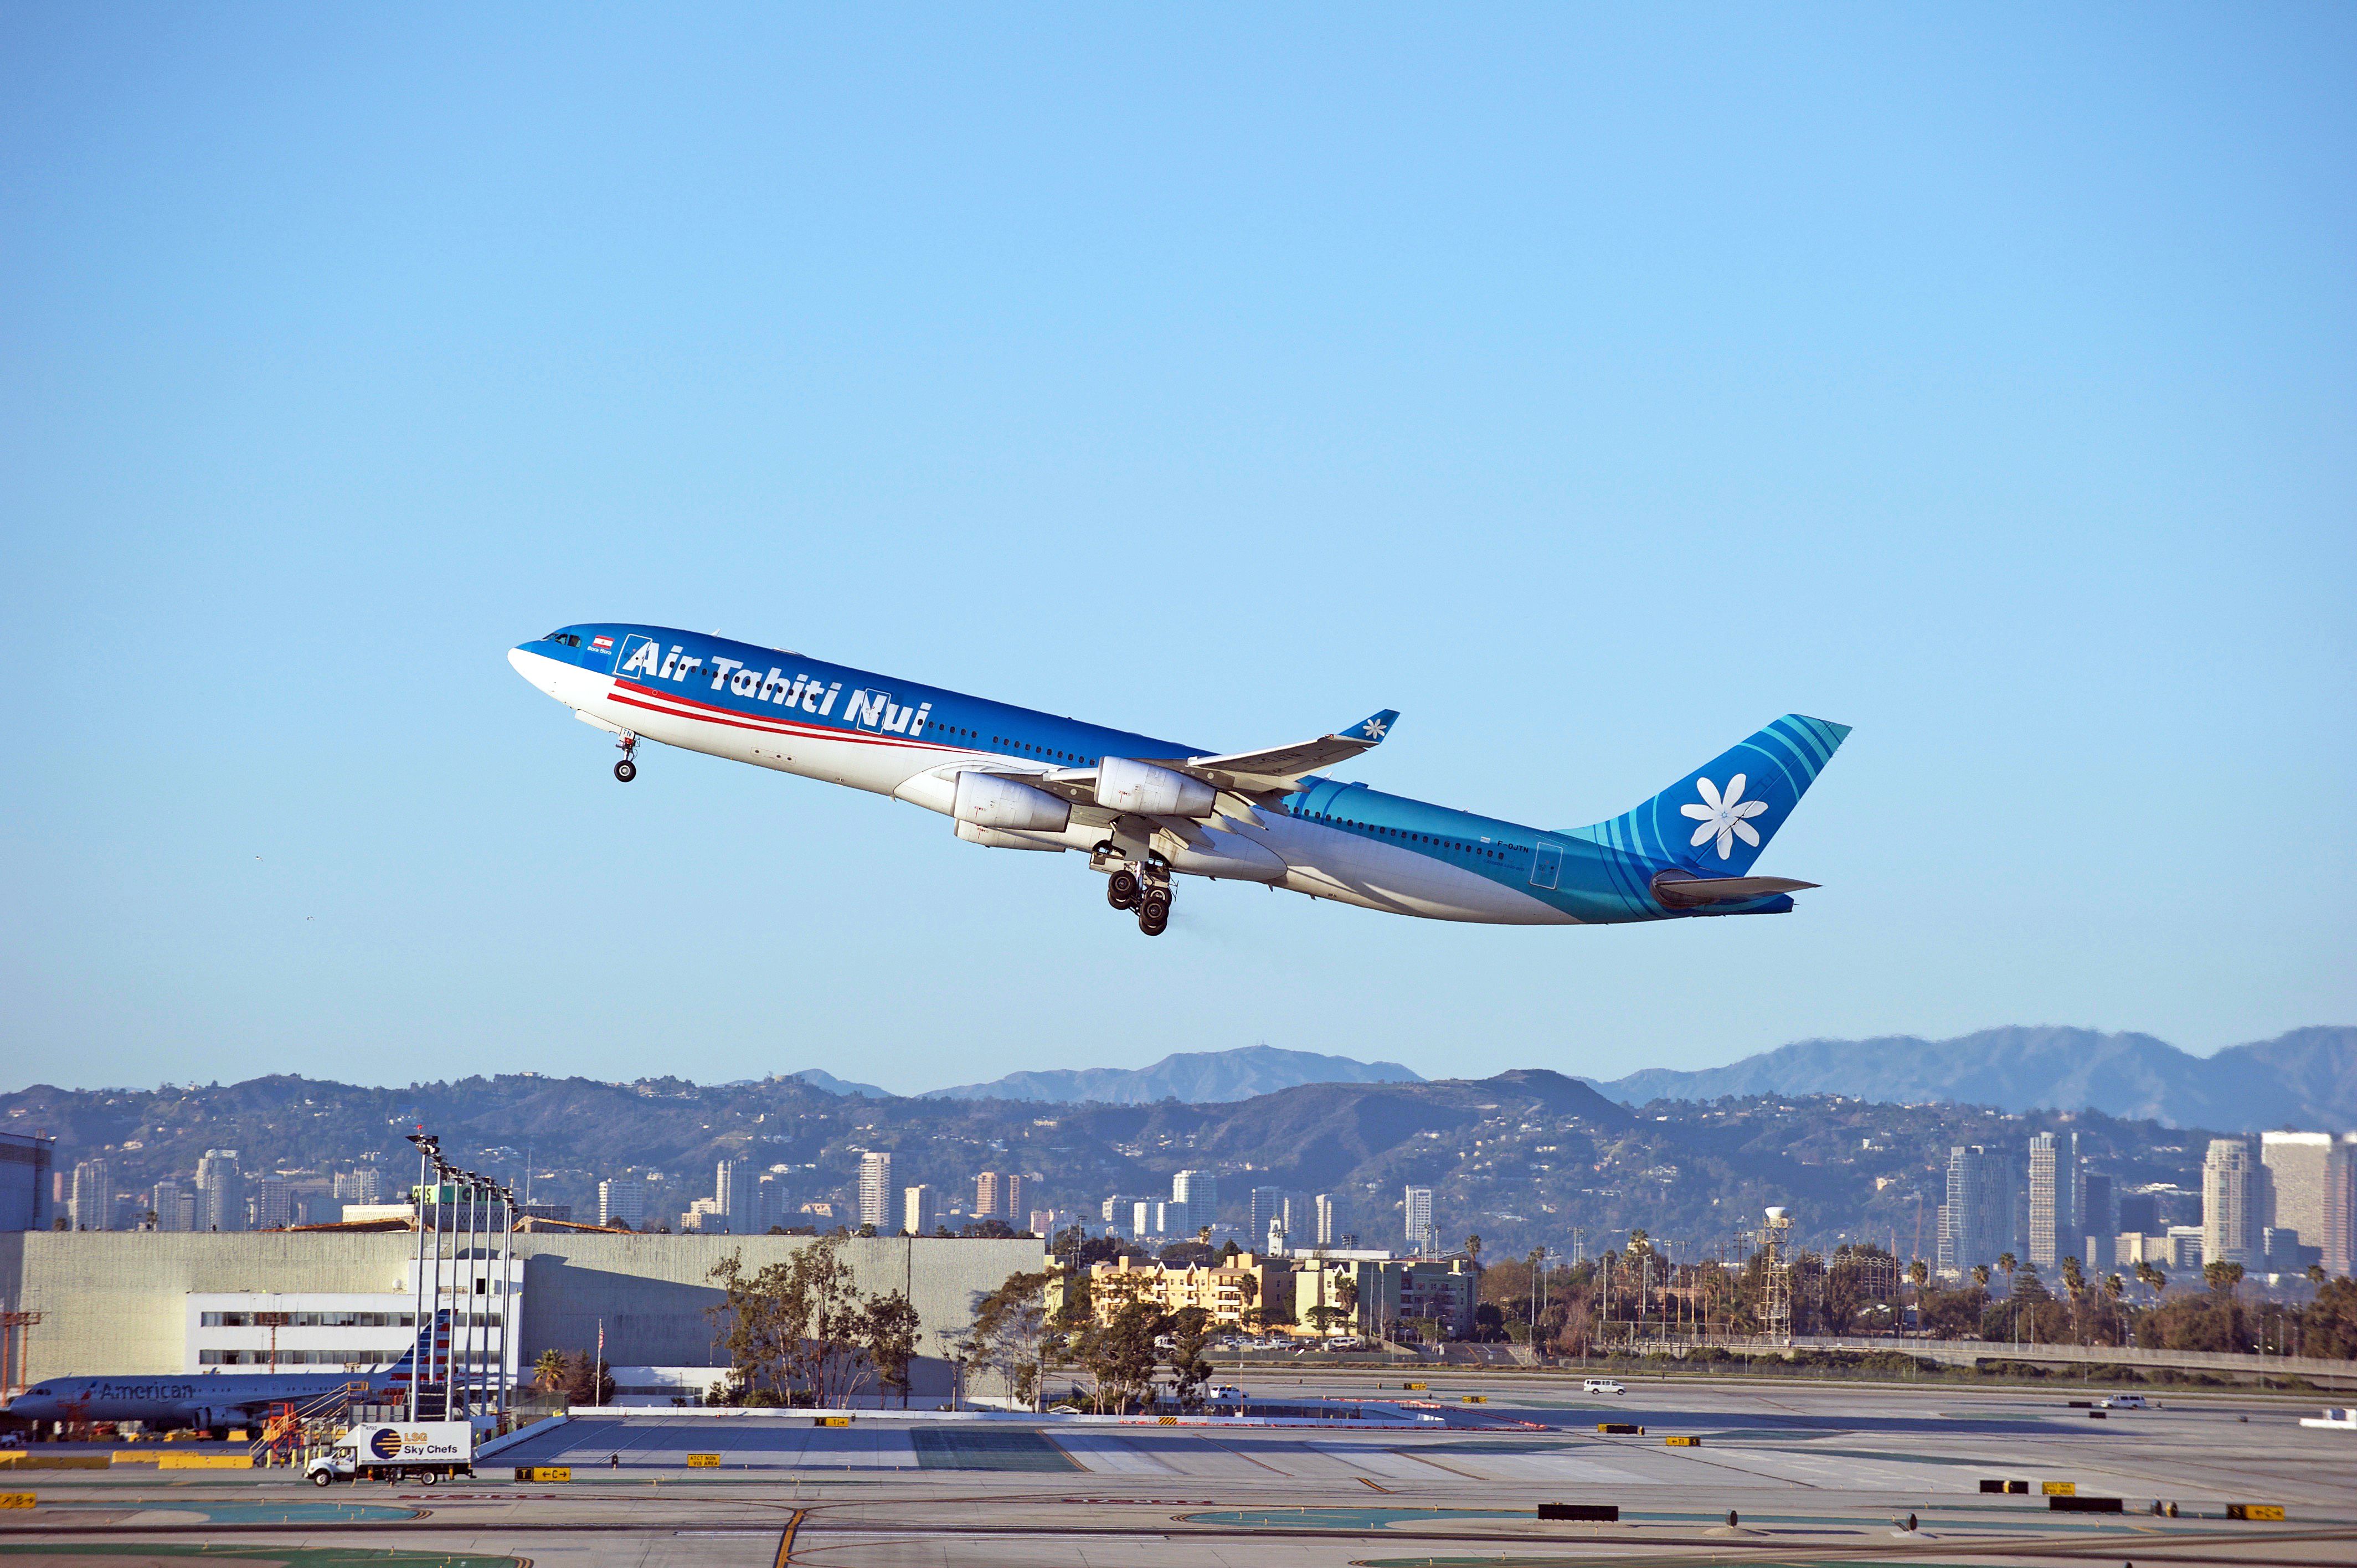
627	768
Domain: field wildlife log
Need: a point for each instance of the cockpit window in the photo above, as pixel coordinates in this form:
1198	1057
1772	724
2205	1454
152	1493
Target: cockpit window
569	641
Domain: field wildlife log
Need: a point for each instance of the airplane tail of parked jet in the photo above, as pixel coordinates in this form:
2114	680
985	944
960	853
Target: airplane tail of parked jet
431	1348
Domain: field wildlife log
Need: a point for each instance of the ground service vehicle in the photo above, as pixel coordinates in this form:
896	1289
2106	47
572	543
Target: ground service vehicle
420	1451
2122	1401
1601	1386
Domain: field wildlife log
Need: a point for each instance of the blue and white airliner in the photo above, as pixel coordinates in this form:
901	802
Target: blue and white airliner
1144	809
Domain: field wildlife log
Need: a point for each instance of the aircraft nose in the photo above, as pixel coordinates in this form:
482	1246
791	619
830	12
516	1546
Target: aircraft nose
537	668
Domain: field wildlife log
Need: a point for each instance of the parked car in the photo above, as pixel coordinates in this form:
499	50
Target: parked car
1602	1386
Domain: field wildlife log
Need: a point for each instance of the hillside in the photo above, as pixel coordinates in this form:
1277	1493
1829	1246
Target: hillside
2307	1078
1526	1157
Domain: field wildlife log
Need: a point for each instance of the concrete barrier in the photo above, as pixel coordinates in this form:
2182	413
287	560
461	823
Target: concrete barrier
25	1459
205	1462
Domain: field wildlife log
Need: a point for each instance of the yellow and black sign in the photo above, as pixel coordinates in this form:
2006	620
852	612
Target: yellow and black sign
704	1461
532	1472
1619	1429
25	1501
1473	1398
2058	1489
2255	1511
1682	1441
832	1420
1415	1385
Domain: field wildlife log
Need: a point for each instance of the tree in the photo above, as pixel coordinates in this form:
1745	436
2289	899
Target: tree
1981	1275
800	1329
1119	1354
887	1332
548	1370
587	1381
2221	1276
1190	1329
2005	1264
1009	1327
1325	1317
1473	1250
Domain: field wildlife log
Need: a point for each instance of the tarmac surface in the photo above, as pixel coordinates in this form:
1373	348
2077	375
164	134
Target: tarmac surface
1816	1473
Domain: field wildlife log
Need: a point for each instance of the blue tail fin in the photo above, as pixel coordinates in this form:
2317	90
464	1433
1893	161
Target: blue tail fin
402	1372
1717	820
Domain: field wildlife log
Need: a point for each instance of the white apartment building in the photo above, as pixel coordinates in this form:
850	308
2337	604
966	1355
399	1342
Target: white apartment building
875	1190
917	1210
2230	1182
622	1201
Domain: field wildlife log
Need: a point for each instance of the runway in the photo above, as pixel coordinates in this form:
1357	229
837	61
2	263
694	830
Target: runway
1814	1473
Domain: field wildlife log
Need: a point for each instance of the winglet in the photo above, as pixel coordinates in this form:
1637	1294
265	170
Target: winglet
1369	731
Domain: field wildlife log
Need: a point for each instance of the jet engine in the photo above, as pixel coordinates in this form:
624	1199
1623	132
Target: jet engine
1145	790
991	838
995	800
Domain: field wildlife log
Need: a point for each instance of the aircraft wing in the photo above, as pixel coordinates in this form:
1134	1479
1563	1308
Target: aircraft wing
1280	769
1243	778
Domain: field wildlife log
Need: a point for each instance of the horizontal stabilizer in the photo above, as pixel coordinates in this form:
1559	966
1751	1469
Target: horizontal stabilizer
1679	891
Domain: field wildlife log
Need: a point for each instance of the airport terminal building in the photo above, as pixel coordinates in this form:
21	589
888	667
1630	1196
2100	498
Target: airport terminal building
161	1302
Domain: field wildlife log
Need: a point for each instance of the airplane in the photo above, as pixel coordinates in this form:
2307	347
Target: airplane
217	1400
1146	810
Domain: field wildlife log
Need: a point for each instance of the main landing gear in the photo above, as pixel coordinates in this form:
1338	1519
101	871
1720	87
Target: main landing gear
627	768
1145	888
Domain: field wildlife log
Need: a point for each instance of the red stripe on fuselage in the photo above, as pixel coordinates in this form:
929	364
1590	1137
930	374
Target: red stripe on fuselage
710	712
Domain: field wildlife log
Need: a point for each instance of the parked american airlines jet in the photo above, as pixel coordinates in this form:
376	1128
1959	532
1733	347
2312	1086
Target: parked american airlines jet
1144	809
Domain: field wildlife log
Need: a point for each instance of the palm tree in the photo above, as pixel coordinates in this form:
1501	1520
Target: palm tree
1981	1275
548	1371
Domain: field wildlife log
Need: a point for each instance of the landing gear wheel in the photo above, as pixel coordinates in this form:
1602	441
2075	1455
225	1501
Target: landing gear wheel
625	770
1154	912
1121	889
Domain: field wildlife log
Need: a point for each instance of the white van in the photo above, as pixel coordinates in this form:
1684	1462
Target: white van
2122	1401
1602	1386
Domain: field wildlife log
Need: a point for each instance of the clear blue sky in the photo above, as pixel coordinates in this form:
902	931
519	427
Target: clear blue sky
1591	384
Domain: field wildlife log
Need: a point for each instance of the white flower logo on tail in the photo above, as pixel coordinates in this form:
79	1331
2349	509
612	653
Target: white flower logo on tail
1724	817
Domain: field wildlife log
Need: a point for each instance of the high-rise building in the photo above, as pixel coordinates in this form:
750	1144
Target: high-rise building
2231	1180
999	1195
622	1201
220	1191
1199	1191
2095	1221
917	1210
2339	1245
170	1203
272	1204
2054	1231
91	1205
875	1190
1977	1222
2296	1171
27	1181
362	1184
1173	1220
1325	1219
1263	1207
736	1191
1422	1237
2139	1212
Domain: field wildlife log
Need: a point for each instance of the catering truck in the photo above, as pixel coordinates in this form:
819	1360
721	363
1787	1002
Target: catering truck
420	1451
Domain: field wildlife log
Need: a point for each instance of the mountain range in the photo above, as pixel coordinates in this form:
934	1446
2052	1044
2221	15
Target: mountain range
2307	1078
1191	1077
